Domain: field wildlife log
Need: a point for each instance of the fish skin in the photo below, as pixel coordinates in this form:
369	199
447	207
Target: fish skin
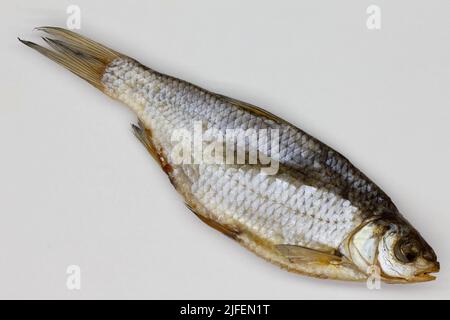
303	218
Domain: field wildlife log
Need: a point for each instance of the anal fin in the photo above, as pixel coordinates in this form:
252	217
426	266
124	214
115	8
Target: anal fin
145	137
228	230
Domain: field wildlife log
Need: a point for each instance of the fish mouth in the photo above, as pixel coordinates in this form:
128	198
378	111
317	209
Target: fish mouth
426	275
422	276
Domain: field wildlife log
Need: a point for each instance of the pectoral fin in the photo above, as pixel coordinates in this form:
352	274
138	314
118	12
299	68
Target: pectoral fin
302	254
320	264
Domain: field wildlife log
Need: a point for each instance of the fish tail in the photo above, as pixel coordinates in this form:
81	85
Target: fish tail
82	56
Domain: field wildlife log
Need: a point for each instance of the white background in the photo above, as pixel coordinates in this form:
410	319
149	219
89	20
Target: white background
76	187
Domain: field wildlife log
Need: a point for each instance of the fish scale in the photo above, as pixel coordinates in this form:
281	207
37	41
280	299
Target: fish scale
220	181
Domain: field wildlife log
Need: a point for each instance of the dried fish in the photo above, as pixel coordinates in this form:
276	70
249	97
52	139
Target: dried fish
270	186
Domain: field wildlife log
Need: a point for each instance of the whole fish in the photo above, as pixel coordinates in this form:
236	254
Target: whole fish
270	186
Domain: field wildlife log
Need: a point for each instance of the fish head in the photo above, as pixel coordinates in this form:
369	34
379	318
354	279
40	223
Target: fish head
403	253
396	248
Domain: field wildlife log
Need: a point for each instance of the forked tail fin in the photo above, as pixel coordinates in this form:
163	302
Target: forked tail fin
82	56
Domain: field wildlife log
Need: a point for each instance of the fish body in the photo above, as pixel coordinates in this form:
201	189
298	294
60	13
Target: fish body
306	209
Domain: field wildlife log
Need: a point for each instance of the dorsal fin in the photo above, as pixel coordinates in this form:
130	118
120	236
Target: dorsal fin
252	109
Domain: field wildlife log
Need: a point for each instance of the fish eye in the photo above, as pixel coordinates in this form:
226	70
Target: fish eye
407	250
